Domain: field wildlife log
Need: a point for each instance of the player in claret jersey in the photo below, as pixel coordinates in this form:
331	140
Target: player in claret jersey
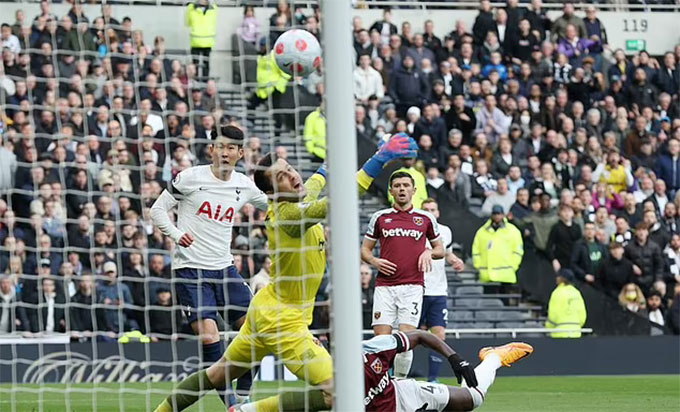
385	394
207	198
403	233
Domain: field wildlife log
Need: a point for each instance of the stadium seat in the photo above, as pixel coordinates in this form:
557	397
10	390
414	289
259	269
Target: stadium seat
469	290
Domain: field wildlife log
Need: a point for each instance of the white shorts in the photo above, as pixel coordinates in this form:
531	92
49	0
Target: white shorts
394	305
414	395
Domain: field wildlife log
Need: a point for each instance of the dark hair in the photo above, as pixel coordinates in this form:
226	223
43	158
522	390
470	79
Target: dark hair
5	25
641	226
232	133
262	181
399	175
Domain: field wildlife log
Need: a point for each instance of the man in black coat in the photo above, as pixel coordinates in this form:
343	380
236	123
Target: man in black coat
667	79
616	271
562	238
647	256
408	87
588	255
484	23
461	117
48	314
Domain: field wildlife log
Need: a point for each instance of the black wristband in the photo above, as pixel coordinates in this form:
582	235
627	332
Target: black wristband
455	359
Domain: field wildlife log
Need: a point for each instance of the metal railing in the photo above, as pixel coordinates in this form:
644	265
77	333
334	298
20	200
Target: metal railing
401	4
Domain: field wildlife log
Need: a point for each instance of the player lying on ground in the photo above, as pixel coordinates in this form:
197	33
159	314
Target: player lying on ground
207	198
385	394
279	315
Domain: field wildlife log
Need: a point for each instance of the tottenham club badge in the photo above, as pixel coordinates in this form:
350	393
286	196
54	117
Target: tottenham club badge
377	315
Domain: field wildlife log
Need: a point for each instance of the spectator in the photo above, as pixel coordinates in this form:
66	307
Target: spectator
315	134
502	197
116	300
632	299
497	249
165	320
83	314
456	187
521	208
484	23
656	313
407	86
668	77
367	81
559	28
657	233
562	238
646	256
566	308
48	315
588	255
461	117
640	92
12	313
367	287
431	125
668	167
385	26
201	18
659	198
616	270
491	120
8	168
673	317
575	47
604	222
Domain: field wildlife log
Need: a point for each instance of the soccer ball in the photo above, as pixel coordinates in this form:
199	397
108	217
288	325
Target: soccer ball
297	52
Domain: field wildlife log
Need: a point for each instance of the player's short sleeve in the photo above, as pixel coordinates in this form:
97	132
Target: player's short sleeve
396	342
373	231
432	232
447	237
182	184
257	198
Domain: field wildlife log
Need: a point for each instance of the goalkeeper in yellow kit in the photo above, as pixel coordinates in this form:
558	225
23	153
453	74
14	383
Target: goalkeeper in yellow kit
279	315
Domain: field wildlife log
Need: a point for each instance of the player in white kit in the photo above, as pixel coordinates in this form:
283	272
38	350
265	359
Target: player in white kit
207	199
434	315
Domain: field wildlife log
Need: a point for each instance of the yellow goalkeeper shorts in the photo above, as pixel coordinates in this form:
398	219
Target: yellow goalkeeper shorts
271	329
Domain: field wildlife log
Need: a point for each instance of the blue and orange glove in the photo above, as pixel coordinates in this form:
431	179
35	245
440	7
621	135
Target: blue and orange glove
398	146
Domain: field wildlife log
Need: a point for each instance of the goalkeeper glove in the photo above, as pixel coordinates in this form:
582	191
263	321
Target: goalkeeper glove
463	370
398	146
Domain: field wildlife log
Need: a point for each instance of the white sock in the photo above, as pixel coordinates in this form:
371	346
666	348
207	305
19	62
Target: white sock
402	364
486	373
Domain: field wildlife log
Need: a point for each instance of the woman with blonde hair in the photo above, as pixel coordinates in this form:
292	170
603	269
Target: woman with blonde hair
631	298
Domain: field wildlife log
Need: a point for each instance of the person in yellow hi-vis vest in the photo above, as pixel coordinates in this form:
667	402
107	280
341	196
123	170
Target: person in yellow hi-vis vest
497	249
420	183
315	134
201	18
566	309
269	77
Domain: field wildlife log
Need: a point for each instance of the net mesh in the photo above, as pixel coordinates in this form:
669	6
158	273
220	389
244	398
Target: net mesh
99	114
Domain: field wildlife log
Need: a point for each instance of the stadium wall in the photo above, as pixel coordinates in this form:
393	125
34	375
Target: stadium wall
135	362
658	32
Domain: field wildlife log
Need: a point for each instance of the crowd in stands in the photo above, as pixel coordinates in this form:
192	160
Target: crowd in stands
577	142
94	123
580	145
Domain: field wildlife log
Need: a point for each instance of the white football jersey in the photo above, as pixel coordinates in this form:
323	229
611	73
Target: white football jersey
436	283
206	208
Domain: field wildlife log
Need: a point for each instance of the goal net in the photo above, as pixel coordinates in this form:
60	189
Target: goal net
101	107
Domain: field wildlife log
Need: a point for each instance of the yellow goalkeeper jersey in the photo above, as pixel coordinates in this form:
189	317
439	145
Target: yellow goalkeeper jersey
297	245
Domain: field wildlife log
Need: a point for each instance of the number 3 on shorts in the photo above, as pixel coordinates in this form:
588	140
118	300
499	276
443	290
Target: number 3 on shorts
415	308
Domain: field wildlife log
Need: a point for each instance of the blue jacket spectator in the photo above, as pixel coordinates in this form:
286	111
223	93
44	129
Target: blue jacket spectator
668	167
431	125
112	294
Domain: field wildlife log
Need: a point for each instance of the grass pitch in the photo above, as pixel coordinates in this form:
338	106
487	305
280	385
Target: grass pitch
532	394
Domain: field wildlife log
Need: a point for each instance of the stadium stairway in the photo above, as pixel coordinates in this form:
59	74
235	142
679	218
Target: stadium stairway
471	304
